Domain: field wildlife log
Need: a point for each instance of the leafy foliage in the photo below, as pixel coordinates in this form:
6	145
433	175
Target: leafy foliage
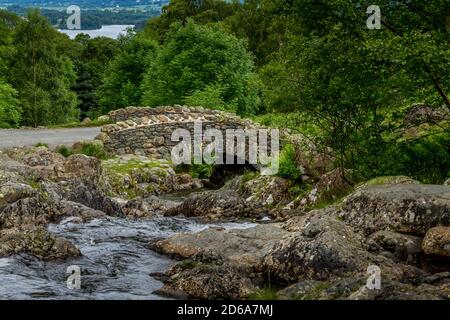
287	166
123	76
41	76
203	63
9	109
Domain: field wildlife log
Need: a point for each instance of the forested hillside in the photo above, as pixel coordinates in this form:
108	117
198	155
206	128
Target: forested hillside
312	66
93	19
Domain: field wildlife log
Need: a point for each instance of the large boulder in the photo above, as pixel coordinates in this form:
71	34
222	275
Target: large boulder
217	205
324	247
219	263
404	208
131	176
243	247
207	276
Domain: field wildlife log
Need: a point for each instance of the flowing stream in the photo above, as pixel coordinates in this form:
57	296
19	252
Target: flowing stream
115	264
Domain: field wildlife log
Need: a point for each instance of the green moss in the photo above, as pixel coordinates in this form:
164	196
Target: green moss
390	180
129	166
297	190
321	204
119	171
34	184
249	175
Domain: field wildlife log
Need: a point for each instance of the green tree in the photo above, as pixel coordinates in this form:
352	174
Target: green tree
200	11
124	75
9	110
197	59
90	64
353	83
263	23
41	77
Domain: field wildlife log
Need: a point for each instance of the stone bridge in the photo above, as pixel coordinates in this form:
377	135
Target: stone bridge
148	131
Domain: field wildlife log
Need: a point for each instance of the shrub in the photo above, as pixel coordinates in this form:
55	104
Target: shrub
287	167
41	144
10	113
94	150
65	151
201	171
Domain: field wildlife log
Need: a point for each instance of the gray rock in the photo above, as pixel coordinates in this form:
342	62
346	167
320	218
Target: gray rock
324	247
36	241
12	191
406	208
217	205
245	248
437	242
404	247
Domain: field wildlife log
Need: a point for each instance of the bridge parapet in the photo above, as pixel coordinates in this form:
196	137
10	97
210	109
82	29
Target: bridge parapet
148	131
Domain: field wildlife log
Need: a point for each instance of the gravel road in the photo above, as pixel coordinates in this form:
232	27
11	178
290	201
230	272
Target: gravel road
53	137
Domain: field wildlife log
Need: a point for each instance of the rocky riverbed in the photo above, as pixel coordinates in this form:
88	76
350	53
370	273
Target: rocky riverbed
139	230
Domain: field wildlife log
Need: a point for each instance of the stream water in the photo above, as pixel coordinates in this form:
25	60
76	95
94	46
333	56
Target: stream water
115	264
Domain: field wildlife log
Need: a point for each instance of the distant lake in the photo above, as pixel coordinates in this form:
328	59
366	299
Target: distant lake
112	31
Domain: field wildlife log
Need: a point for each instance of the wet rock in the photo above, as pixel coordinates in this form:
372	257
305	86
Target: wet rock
217	205
36	241
77	210
405	208
437	242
